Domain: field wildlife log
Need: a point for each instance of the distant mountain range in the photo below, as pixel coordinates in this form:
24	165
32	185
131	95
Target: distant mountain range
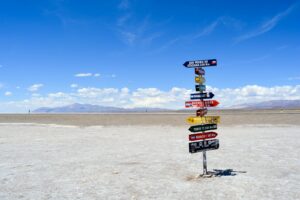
88	108
274	104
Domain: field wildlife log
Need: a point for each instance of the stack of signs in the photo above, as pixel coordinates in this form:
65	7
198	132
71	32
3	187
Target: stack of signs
202	141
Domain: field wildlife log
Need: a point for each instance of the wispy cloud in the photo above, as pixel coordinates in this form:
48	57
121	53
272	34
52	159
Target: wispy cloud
224	21
74	85
8	93
83	75
80	75
267	26
35	87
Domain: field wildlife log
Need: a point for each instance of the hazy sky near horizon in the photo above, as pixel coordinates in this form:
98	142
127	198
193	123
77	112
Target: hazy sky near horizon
129	53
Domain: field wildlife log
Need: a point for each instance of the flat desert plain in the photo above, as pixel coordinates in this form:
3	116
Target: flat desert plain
145	156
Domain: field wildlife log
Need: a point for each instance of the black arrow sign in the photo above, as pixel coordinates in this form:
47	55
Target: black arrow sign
201	128
205	95
200	63
204	145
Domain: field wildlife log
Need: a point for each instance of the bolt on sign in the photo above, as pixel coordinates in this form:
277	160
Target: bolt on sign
202	141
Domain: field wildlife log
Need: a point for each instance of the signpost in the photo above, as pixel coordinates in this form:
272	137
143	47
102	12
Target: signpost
199	71
204	145
200	63
201	104
204	120
202	136
203	95
200	88
204	127
201	112
199	79
199	138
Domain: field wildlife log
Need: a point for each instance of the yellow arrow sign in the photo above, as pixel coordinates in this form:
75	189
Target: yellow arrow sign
199	79
204	120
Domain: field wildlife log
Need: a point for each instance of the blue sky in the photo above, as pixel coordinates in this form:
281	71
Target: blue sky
64	47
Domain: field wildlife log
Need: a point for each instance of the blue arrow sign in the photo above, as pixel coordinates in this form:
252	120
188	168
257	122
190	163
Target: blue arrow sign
204	95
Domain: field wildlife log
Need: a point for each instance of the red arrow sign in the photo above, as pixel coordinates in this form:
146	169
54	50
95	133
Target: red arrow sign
201	104
202	136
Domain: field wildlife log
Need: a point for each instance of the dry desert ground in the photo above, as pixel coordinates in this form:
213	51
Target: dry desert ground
145	156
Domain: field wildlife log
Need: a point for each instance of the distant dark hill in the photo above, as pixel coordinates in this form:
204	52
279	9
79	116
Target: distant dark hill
88	108
274	104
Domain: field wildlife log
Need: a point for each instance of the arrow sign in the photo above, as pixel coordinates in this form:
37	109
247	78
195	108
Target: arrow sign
204	120
201	104
205	127
201	112
199	71
199	79
202	136
200	63
200	88
205	145
203	95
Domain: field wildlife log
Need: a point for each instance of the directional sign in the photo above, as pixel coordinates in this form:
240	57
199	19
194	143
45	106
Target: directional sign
203	95
200	88
201	104
201	112
199	71
200	63
204	120
202	136
199	79
205	127
205	145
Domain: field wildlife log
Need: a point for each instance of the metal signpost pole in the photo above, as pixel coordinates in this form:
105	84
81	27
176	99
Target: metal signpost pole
204	163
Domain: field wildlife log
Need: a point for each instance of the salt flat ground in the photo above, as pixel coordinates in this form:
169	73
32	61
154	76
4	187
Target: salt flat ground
39	161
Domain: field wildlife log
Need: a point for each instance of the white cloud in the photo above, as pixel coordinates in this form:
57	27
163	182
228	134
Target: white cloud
35	87
83	75
80	75
173	98
267	26
73	85
8	93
